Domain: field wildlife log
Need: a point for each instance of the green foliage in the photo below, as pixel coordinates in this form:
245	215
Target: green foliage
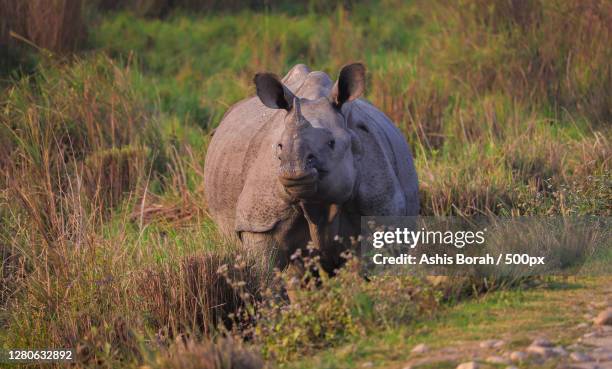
493	102
202	65
327	311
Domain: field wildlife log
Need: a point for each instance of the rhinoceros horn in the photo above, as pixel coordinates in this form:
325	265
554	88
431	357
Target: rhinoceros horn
295	119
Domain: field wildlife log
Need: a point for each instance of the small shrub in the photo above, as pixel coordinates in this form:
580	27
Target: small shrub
327	311
198	296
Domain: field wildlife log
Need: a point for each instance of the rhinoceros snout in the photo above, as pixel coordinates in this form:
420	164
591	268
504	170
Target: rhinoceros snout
294	177
299	182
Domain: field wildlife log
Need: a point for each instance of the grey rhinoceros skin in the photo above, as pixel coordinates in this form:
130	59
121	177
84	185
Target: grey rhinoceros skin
344	158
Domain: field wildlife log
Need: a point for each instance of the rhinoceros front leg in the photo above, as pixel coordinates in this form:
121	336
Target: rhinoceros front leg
264	251
331	229
268	254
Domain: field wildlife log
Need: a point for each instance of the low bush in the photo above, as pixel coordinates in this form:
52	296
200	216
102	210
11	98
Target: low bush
203	293
326	311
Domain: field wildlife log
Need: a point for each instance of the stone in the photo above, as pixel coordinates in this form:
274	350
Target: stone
559	350
604	318
587	366
518	356
367	364
512	367
602	349
497	360
602	304
602	354
487	344
544	352
582	325
468	365
537	360
543	342
580	357
420	349
602	341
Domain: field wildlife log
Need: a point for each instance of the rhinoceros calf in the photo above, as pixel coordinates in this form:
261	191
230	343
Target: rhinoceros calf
302	161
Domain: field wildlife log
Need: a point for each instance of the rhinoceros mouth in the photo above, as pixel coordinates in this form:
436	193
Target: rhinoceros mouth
301	185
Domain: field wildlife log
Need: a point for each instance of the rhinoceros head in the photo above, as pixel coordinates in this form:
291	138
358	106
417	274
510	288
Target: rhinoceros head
316	151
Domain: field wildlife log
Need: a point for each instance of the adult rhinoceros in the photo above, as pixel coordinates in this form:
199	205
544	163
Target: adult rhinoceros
302	162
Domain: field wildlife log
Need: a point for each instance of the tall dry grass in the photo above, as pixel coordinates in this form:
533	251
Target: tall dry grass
81	266
198	294
79	135
55	25
162	8
483	102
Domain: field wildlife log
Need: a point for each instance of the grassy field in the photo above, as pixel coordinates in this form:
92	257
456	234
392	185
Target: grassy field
105	241
516	316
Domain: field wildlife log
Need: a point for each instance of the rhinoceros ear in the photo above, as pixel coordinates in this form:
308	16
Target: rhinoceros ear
350	84
272	92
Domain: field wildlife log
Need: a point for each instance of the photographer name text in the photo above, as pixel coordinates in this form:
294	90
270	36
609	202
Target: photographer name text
458	259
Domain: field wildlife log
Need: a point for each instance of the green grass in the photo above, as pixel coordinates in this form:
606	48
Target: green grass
201	65
517	316
463	92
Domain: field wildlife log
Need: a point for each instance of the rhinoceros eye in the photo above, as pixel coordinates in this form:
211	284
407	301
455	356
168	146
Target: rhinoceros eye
331	144
279	146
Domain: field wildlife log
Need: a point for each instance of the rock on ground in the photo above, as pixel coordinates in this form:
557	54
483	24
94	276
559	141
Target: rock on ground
543	342
420	349
559	350
542	351
518	356
487	344
497	360
580	357
604	318
602	353
468	365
